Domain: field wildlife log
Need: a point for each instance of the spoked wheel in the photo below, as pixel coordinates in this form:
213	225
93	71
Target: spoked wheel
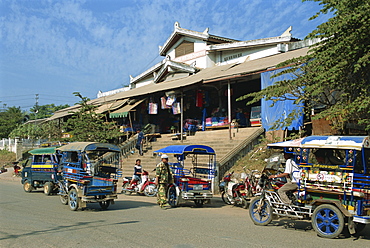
327	221
225	198
27	187
172	196
63	199
150	190
124	189
260	212
199	203
73	199
104	204
48	188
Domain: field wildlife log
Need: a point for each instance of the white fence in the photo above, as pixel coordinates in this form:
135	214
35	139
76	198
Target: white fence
19	145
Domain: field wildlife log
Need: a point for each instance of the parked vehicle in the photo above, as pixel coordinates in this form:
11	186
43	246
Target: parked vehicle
329	194
40	170
146	187
193	179
88	174
235	192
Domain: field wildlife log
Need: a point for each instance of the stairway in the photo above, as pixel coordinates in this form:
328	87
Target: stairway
217	139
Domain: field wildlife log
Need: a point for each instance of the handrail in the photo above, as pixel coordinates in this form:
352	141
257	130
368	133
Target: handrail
225	163
128	146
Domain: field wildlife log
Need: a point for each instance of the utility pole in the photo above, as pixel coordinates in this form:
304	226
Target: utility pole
36	105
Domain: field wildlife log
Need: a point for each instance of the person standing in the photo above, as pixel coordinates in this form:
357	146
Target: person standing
291	168
140	141
163	178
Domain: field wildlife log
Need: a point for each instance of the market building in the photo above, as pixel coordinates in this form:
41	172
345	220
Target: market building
197	83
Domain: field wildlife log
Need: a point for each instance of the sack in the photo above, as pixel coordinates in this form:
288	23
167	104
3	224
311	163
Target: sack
170	100
176	108
153	108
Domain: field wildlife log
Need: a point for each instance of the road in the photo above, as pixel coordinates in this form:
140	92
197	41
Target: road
36	220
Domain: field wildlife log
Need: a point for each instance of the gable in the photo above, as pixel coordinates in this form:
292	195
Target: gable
184	48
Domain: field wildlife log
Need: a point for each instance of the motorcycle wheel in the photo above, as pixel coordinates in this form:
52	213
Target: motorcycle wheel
327	221
150	190
225	198
63	199
261	216
124	189
245	203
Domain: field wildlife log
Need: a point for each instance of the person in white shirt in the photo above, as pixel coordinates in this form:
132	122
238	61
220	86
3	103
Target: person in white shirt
291	169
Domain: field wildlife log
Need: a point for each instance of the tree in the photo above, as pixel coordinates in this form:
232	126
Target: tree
45	111
9	120
335	74
87	125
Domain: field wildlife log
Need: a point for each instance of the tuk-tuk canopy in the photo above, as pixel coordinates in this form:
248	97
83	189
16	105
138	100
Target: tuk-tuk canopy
332	142
183	149
89	146
42	151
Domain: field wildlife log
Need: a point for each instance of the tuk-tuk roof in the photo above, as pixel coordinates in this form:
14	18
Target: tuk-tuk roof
333	142
89	146
181	149
41	151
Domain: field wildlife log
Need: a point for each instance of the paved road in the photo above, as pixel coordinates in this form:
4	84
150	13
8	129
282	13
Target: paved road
36	220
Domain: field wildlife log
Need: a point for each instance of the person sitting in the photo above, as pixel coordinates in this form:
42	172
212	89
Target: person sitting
137	173
325	156
290	168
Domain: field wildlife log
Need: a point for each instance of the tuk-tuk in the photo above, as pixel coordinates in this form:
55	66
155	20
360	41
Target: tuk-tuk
193	171
333	185
40	170
88	174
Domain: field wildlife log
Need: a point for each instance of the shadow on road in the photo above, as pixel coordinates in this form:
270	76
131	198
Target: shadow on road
57	229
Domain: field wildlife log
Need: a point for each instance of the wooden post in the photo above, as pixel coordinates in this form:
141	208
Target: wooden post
229	106
182	116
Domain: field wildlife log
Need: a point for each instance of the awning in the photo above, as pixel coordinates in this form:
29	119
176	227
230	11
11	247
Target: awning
111	106
123	112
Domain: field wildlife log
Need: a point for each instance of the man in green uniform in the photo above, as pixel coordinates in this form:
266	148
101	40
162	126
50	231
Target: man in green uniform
162	180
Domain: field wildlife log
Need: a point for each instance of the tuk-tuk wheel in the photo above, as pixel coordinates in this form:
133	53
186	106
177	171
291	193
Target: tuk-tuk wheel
73	199
27	187
48	188
104	204
327	221
64	199
172	197
199	203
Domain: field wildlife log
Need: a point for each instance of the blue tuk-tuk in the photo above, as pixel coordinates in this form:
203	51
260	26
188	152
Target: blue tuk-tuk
333	176
89	174
40	170
194	172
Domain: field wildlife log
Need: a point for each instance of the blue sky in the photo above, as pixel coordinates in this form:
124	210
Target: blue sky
53	48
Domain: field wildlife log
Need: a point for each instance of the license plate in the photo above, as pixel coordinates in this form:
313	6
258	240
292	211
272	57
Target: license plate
198	187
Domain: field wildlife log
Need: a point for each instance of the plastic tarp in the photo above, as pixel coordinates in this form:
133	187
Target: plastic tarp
41	151
281	109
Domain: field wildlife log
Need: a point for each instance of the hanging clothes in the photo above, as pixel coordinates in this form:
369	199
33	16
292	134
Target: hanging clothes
176	108
153	108
163	103
170	100
199	99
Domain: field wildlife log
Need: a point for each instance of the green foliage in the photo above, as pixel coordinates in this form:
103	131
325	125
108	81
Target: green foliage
9	120
6	157
336	72
47	130
45	111
87	125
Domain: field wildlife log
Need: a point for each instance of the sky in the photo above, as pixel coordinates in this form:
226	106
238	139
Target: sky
56	47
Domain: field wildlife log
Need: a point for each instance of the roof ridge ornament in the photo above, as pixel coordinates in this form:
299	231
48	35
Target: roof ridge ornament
206	31
287	32
176	25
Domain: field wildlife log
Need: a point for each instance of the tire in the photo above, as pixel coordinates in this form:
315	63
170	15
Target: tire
199	203
48	188
261	216
125	186
63	199
73	199
104	204
225	198
359	227
245	203
27	187
327	221
172	197
150	190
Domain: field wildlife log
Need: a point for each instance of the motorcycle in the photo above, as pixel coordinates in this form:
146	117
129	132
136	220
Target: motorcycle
146	187
239	193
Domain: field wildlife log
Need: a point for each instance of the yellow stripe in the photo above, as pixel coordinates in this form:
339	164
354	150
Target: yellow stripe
43	166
